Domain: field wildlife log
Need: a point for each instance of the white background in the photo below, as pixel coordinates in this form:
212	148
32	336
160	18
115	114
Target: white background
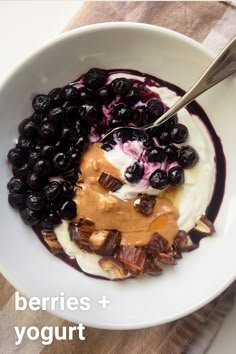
24	26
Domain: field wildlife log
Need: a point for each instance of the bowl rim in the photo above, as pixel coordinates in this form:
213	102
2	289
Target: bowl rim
89	29
93	28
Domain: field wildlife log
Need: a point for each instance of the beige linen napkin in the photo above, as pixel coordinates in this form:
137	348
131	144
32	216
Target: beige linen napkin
213	24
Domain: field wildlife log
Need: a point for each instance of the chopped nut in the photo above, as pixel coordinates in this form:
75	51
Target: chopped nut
107	203
96	165
113	267
156	245
109	182
104	242
50	238
80	233
205	226
145	204
133	257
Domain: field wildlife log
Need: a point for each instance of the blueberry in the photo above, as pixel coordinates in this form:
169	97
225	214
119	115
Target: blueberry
38	147
105	95
172	153
16	156
158	179
56	97
30	217
171	121
68	210
68	133
21	171
179	133
33	157
134	173
16	185
95	78
71	175
35	201
121	135
85	96
188	157
142	137
140	116
52	190
53	205
132	96
114	123
155	109
37	117
28	128
67	190
45	120
42	167
47	131
47	151
61	161
176	176
107	146
25	144
16	200
62	145
163	136
72	112
70	93
155	154
35	181
41	103
51	219
82	128
90	113
75	156
56	115
122	112
121	86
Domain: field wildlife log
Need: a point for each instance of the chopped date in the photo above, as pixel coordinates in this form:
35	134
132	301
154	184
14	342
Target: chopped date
109	182
145	204
133	257
105	242
204	226
50	238
166	258
156	245
80	233
152	267
113	267
183	243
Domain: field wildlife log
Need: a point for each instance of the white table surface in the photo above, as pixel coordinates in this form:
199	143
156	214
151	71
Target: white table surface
24	26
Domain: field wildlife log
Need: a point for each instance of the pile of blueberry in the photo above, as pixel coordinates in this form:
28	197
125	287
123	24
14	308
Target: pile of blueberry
183	157
46	158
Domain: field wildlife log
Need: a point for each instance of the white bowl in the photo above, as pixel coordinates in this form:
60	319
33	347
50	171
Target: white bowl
201	275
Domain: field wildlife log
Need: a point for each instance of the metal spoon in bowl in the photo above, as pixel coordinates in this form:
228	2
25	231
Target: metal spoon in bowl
223	66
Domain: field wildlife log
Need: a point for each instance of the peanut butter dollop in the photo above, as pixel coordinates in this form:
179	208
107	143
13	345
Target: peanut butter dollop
109	212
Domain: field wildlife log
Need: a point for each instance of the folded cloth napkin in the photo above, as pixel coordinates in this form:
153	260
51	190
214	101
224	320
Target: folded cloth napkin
213	24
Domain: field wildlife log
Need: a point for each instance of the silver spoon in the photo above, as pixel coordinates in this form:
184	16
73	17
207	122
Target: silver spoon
223	66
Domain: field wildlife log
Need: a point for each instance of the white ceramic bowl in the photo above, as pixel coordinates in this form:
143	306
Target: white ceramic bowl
199	276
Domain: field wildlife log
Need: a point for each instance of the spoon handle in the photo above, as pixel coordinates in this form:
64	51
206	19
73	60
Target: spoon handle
223	66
